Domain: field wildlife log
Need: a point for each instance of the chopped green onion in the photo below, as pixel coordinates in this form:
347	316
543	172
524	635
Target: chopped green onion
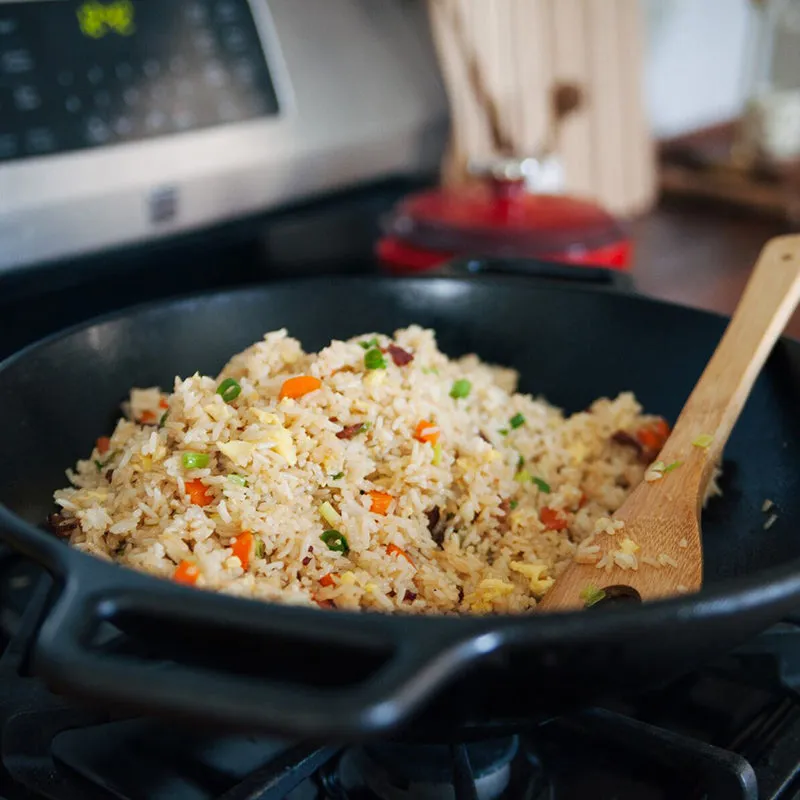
102	464
370	343
672	466
658	466
523	476
260	549
229	390
239	480
437	455
430	370
336	541
544	486
373	359
329	514
513	504
591	595
520	461
163	420
337	476
461	388
703	440
517	421
195	460
503	431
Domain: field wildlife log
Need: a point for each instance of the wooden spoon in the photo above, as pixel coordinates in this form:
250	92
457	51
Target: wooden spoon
662	517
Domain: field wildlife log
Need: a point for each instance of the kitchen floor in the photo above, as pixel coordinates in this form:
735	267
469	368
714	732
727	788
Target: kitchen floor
700	255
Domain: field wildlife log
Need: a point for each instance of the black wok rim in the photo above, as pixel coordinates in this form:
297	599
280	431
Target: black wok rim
727	597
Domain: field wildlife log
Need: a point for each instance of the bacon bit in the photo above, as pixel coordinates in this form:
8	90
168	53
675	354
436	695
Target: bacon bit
242	546
148	417
306	561
394	550
626	440
299	386
409	596
162	403
654	435
325	603
583	501
552	519
187	573
103	443
427	432
63	525
400	356
198	493
109	475
327	580
349	431
505	509
436	531
380	502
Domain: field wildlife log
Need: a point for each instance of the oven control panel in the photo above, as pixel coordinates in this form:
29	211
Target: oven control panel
78	74
127	121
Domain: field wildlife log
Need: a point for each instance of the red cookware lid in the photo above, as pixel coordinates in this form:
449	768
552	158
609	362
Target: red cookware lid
499	217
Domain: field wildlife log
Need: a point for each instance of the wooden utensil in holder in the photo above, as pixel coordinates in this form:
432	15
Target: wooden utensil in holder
530	78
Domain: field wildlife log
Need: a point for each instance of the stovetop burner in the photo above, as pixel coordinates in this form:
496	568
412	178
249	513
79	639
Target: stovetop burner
730	732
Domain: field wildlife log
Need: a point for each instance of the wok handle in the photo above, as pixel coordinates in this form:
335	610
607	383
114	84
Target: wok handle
414	667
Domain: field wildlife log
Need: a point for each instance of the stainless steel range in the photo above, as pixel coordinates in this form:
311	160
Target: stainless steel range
129	121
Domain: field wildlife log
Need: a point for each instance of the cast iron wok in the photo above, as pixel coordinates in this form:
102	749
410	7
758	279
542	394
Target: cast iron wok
328	673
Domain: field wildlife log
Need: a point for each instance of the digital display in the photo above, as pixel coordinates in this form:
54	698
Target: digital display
76	74
97	19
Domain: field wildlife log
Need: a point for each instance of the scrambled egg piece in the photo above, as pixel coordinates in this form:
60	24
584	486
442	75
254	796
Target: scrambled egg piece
375	378
277	436
238	452
489	590
218	411
628	546
540	583
578	451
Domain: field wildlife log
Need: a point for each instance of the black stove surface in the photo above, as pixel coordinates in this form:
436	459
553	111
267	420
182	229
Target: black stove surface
729	732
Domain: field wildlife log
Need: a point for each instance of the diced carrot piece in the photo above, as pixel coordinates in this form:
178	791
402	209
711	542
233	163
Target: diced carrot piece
186	572
242	546
654	435
198	493
427	432
300	385
552	519
380	502
394	550
162	403
327	580
103	443
148	417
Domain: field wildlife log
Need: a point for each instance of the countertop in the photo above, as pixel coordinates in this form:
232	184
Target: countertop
700	255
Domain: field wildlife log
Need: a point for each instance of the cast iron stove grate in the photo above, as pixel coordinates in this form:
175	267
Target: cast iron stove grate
731	732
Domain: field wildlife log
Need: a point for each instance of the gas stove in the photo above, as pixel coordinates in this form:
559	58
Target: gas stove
729	732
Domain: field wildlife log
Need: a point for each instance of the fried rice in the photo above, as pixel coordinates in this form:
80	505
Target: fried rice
375	474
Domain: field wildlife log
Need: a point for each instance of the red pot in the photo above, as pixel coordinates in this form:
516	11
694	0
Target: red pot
499	218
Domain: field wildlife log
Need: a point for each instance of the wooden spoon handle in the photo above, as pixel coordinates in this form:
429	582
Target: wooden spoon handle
769	299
